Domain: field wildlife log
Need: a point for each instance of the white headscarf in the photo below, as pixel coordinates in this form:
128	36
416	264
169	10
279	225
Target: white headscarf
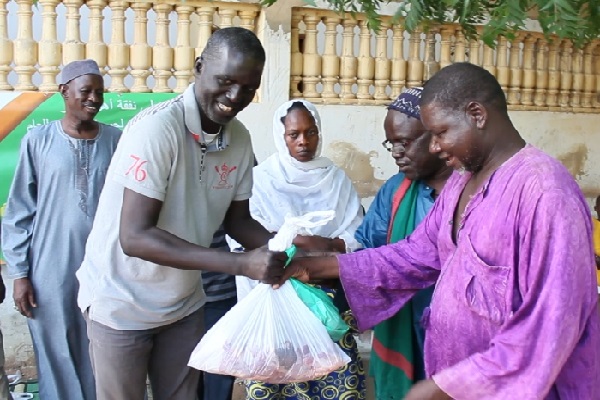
285	186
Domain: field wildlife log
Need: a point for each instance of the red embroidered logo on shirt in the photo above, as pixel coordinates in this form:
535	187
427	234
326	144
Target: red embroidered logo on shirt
137	167
224	171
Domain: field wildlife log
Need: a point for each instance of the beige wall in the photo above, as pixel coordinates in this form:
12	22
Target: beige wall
572	138
353	133
18	350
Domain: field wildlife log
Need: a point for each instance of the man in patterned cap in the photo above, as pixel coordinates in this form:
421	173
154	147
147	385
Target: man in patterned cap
49	214
400	205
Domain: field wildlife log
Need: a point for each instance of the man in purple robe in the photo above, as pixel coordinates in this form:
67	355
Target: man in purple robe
508	245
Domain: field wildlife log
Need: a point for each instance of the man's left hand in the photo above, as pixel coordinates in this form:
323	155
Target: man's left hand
316	244
427	390
313	243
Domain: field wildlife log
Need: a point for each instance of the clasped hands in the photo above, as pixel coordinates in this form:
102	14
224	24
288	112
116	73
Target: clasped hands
269	267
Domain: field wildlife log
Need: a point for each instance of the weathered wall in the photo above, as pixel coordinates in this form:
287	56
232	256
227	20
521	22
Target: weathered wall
352	137
18	349
353	134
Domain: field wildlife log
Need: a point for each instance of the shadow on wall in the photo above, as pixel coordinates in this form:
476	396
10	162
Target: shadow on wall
575	161
357	165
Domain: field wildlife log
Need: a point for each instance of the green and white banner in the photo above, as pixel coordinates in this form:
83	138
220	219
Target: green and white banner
20	112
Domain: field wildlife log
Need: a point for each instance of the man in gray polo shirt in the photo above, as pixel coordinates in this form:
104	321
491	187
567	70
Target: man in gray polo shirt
181	169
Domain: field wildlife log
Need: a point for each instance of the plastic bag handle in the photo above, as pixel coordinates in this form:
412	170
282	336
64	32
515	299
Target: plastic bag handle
291	252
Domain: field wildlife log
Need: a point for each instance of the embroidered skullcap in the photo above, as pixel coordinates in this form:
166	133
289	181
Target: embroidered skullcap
76	69
408	102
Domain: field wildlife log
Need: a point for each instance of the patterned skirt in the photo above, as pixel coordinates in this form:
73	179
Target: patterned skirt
346	383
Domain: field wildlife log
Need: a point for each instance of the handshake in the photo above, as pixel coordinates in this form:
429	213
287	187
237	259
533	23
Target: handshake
274	267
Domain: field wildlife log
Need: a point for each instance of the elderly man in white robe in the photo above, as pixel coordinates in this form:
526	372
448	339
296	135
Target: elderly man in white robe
49	214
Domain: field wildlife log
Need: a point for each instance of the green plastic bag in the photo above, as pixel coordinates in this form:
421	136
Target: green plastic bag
319	304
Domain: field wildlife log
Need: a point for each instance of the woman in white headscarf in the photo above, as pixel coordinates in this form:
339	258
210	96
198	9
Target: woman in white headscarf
294	181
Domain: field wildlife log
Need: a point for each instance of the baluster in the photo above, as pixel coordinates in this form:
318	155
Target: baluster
118	49
366	63
312	60
6	48
488	60
474	52
431	66
184	53
566	76
226	15
296	57
73	47
331	61
141	53
382	63
348	63
415	64
247	18
589	80
502	70
514	84
541	74
459	46
529	70
577	78
95	48
162	53
205	23
398	75
553	73
446	33
596	98
49	47
25	48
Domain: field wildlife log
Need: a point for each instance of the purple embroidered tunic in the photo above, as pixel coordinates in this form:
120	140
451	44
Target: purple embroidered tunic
514	314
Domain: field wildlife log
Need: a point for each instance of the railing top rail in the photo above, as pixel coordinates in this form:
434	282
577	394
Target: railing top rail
223	5
391	21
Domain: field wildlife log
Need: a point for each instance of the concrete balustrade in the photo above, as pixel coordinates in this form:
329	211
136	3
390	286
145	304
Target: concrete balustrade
360	66
335	59
152	52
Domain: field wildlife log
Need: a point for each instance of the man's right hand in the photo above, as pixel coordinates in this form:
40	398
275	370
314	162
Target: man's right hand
296	270
24	297
264	265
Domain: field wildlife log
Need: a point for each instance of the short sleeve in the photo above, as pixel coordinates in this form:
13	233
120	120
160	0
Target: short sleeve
145	156
245	180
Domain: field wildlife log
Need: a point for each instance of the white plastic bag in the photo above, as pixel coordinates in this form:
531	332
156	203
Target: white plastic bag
270	336
292	226
243	286
301	225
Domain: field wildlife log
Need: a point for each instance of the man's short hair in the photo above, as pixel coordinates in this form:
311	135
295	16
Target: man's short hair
233	38
458	84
